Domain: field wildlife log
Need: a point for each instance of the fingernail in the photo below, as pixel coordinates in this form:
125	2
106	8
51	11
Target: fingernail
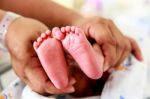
48	32
140	57
105	68
70	89
73	81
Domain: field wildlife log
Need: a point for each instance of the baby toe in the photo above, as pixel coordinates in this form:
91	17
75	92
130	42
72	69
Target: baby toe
43	35
56	32
73	28
48	32
68	28
63	29
39	39
35	45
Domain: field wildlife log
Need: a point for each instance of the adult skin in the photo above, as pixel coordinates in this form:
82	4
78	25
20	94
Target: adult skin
113	45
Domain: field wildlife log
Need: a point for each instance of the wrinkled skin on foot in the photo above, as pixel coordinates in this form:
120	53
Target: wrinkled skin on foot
85	86
51	55
73	40
76	44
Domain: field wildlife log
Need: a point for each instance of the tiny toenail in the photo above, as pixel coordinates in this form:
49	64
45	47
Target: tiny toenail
76	30
43	35
55	29
39	39
57	33
73	28
48	32
67	28
35	44
63	29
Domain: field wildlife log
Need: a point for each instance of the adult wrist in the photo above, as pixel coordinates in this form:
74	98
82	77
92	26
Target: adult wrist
5	22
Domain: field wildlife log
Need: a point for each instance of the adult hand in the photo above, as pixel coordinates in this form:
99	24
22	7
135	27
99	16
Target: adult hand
115	47
19	40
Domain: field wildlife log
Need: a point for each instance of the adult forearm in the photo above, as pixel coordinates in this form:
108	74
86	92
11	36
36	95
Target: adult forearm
46	11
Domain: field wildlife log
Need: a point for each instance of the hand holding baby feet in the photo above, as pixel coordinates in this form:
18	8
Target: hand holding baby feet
75	42
51	56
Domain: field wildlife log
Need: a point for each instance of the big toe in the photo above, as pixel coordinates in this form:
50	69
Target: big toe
56	33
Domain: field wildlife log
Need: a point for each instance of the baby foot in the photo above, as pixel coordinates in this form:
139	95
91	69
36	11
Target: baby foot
51	56
75	42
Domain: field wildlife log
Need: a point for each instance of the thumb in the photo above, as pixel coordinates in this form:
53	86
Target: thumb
99	55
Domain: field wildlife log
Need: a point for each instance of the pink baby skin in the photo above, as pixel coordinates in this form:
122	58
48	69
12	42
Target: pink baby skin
50	46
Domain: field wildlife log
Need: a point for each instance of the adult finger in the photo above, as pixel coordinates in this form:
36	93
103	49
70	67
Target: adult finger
125	53
107	43
123	47
136	51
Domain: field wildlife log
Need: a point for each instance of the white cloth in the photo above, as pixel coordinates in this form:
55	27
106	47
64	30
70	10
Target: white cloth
29	94
8	18
14	90
126	83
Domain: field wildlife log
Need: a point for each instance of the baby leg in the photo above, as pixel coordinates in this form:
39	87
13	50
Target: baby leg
50	53
75	42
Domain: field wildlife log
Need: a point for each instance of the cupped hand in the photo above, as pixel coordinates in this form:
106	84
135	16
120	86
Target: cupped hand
115	46
19	41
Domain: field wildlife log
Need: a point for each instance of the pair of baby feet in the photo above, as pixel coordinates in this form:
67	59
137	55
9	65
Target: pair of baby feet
50	50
